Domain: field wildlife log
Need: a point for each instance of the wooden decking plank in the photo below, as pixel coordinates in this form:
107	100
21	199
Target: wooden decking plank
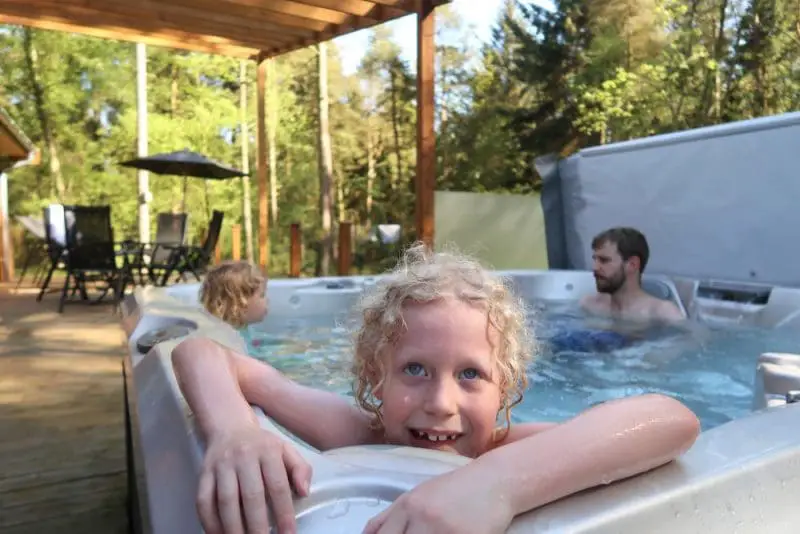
62	449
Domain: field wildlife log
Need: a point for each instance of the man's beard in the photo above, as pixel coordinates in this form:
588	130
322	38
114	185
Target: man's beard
611	284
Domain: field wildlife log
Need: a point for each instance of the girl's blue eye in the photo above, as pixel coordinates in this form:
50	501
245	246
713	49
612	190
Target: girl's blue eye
414	369
470	374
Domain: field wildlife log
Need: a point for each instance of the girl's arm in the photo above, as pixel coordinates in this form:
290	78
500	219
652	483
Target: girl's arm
521	431
219	384
609	442
540	463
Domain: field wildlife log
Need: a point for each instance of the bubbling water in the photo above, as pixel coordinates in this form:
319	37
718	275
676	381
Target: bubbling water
709	368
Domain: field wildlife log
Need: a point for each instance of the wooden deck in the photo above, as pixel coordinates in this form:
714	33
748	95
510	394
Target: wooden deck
62	451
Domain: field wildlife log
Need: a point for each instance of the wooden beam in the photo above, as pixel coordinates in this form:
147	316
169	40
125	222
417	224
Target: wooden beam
425	183
111	33
168	39
330	11
208	10
10	147
332	32
231	27
238	28
280	17
262	171
413	6
326	11
224	19
390	3
366	15
350	7
129	19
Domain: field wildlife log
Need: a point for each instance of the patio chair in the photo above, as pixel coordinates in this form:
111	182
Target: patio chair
195	260
53	217
158	257
90	255
35	244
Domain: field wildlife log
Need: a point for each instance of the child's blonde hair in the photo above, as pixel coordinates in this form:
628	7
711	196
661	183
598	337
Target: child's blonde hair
228	287
424	276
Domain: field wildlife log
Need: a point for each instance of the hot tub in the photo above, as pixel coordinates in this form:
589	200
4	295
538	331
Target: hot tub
739	476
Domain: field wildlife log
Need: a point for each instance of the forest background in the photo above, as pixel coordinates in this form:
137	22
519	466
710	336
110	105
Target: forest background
552	79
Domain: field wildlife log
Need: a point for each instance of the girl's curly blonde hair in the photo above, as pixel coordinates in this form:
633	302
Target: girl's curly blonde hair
228	287
423	276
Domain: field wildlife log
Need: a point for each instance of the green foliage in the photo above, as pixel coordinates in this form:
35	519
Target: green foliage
554	80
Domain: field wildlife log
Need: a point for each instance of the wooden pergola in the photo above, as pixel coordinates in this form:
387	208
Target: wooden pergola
258	30
15	149
14	144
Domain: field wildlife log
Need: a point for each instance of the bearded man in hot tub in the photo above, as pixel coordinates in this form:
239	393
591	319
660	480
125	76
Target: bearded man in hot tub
620	256
625	311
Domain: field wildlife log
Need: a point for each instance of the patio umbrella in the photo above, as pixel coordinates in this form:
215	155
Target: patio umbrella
185	163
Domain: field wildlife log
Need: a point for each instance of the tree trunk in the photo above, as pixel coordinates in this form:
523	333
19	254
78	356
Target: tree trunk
173	96
371	173
40	99
340	207
396	175
717	96
444	84
177	207
247	214
731	84
709	101
372	144
687	52
272	131
325	157
760	43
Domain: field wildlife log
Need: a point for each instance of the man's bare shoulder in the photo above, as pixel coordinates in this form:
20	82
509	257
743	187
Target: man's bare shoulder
594	301
666	310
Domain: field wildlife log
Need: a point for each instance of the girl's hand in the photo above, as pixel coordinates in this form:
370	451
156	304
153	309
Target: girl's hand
241	470
454	503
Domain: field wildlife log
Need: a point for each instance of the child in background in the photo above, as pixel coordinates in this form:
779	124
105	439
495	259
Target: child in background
236	292
440	359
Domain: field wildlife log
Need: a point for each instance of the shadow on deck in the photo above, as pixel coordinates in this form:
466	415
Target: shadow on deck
62	449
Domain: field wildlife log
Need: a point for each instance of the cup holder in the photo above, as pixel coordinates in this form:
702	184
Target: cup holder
335	285
153	337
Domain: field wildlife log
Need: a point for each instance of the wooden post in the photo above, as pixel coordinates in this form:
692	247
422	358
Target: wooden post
218	250
262	170
236	244
295	250
6	239
425	183
2	247
345	248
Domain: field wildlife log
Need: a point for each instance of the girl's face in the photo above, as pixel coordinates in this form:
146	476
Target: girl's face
257	306
441	389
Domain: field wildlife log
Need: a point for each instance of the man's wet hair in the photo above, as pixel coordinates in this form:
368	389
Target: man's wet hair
630	242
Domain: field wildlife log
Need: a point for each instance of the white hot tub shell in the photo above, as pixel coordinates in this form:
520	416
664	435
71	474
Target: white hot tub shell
738	477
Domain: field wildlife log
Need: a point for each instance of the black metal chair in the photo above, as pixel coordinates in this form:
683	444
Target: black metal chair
158	257
195	260
90	255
